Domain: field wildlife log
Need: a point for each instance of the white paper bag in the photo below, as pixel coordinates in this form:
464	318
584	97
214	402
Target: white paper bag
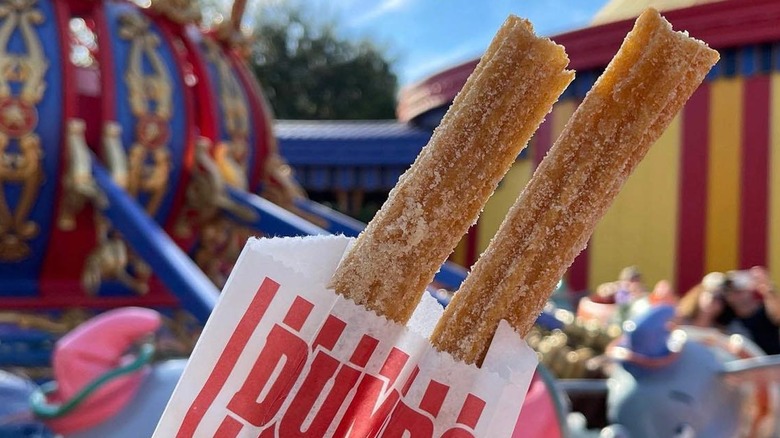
281	355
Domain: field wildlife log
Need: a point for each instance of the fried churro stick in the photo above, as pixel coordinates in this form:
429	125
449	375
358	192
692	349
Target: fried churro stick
502	103
653	74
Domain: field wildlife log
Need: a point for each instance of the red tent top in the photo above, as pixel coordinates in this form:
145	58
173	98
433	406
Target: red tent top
721	24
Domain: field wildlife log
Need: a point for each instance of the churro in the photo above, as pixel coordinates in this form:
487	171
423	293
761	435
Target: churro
645	85
502	103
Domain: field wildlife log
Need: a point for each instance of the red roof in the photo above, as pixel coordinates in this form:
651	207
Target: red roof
722	25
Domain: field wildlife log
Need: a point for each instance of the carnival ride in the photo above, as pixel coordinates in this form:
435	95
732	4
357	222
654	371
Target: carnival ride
137	155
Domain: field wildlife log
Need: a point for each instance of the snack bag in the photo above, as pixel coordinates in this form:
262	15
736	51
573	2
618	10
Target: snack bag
284	356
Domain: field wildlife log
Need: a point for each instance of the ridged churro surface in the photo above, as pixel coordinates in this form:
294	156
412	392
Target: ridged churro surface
645	85
502	103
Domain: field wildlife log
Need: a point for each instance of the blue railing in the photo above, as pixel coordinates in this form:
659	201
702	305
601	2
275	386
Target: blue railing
450	275
270	218
174	268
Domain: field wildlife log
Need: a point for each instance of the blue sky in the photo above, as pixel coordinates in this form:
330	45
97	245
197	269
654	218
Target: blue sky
426	36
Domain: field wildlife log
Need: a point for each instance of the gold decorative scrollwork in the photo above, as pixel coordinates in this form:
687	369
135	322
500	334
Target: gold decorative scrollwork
20	146
205	207
114	154
220	243
58	325
151	103
111	260
206	197
204	187
180	11
79	186
232	156
230	32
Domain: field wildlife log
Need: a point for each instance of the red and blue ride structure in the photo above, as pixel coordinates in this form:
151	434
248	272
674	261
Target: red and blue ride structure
130	136
134	150
136	144
137	154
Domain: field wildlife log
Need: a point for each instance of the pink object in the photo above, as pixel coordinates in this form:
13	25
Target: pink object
89	351
588	310
539	416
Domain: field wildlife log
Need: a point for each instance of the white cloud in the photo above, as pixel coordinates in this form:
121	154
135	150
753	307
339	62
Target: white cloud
385	7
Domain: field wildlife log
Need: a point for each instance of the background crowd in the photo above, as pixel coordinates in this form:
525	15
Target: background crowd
741	302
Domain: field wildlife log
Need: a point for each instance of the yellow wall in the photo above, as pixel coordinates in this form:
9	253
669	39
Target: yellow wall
639	228
721	251
459	254
513	183
774	181
516	179
561	114
504	197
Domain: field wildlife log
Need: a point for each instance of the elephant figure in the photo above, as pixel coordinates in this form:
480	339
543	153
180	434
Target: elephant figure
687	382
100	390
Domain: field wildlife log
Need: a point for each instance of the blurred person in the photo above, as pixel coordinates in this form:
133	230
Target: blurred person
752	298
606	293
630	285
704	305
663	294
599	305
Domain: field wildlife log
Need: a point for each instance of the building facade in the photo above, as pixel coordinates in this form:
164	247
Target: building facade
707	196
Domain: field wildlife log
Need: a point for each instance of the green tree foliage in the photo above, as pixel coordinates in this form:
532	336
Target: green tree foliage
309	72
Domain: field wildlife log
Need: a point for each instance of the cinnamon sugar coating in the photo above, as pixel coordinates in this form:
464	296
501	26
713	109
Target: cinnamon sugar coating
433	204
630	105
